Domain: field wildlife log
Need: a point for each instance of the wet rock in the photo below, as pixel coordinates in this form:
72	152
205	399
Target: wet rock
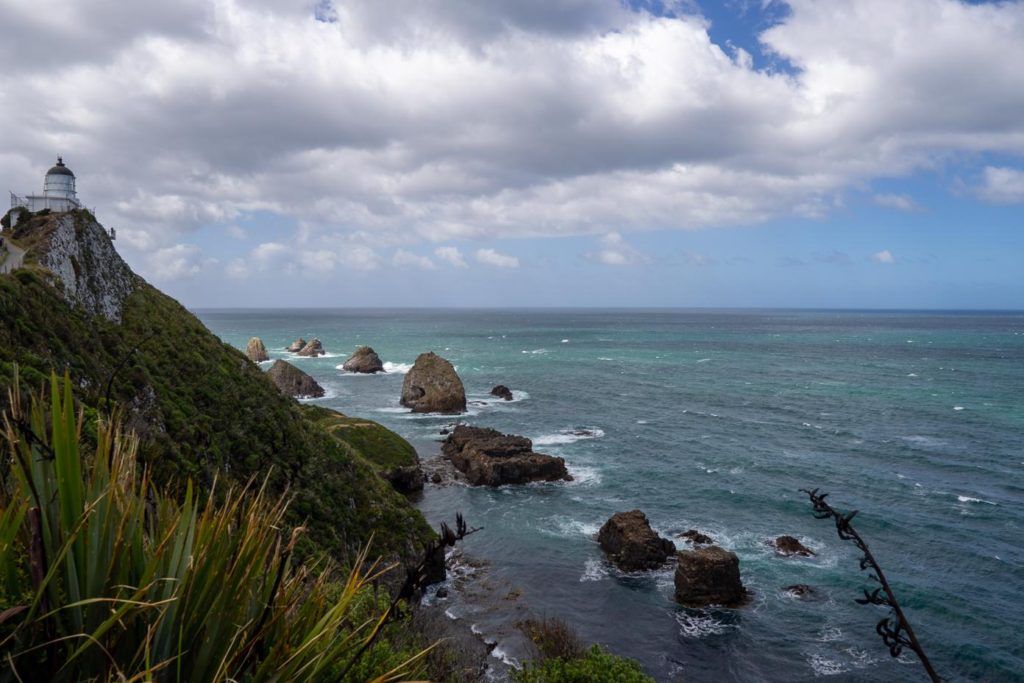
442	592
630	543
801	590
489	458
789	545
296	345
293	382
256	351
312	349
432	386
694	537
435	570
708	576
435	478
503	392
364	360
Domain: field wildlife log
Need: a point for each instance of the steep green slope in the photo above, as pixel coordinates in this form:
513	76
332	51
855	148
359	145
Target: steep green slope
203	408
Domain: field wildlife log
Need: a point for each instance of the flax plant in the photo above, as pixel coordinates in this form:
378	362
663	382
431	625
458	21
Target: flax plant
104	577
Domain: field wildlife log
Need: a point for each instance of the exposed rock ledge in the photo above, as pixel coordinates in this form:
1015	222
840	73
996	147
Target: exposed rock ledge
489	458
631	544
293	382
364	360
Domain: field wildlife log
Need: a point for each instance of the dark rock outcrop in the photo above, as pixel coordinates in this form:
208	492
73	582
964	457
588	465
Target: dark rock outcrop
312	349
293	382
364	360
802	591
256	351
406	479
695	537
433	386
789	545
631	544
708	576
503	392
296	345
489	458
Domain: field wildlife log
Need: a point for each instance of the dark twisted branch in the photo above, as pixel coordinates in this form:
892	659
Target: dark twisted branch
894	628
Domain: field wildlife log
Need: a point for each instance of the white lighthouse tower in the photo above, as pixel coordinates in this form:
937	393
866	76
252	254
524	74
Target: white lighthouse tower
58	192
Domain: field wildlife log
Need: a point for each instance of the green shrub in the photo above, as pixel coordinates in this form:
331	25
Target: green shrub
595	666
104	577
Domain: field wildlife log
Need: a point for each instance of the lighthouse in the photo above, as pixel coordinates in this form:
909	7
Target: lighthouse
59	192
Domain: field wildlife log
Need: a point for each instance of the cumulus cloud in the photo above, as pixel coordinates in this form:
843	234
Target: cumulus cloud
1002	185
423	120
615	252
901	202
179	262
491	257
884	256
452	256
403	258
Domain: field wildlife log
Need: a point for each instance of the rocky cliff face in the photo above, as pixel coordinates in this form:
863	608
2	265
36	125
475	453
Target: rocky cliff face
87	269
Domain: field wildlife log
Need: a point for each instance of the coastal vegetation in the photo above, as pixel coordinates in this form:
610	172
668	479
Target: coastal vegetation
106	576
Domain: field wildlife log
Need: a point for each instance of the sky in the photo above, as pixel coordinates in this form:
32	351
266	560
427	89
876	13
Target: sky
741	153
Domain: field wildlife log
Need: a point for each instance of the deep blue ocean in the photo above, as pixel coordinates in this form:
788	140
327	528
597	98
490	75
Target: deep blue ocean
714	420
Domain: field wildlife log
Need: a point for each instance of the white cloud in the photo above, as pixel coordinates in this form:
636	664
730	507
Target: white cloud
884	256
451	255
491	257
404	258
179	262
901	202
616	252
237	270
237	232
1002	185
269	254
530	118
358	257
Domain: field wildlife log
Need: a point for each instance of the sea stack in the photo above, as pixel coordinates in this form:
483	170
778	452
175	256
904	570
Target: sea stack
293	382
312	349
790	545
256	351
364	360
631	544
432	386
489	458
296	345
708	576
503	392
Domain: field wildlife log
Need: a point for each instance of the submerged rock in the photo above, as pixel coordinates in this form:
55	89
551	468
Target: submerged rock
789	545
631	544
802	591
256	351
293	382
364	360
489	458
433	386
296	345
695	537
503	392
312	349
708	576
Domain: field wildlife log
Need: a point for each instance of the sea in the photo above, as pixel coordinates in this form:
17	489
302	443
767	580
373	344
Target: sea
715	420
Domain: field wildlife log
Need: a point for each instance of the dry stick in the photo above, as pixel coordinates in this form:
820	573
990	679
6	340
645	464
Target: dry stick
890	634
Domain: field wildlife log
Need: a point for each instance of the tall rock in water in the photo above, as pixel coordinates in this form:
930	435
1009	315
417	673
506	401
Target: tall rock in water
364	360
631	544
293	382
708	576
256	351
433	386
312	349
296	345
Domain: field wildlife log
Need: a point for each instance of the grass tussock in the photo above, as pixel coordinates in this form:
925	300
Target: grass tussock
105	577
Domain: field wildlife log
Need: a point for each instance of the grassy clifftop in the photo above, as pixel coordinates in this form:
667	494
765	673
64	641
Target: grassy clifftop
203	409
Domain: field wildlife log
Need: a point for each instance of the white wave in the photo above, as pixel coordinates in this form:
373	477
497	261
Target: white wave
703	360
604	358
958	407
569	436
574	527
582	475
968	499
397	368
499	654
694	625
911	374
642	422
565	341
824	666
594	570
830	634
535	351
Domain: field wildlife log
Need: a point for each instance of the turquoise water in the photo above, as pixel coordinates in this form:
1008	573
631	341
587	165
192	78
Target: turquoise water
714	420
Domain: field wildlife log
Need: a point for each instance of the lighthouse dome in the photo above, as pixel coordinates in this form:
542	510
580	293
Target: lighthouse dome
59	182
